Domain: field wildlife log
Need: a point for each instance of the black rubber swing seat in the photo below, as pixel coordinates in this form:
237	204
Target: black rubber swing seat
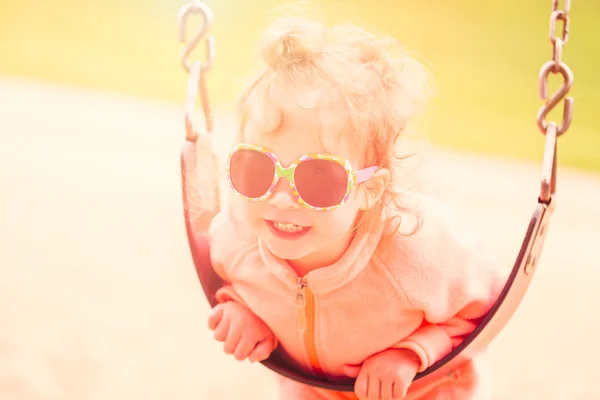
490	325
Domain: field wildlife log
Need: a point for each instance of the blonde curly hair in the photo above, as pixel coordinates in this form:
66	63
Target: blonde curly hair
381	88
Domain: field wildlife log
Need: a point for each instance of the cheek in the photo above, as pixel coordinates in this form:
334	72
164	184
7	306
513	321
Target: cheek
339	219
249	212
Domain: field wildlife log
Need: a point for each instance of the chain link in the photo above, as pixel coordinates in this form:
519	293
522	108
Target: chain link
560	15
556	66
196	69
196	7
552	130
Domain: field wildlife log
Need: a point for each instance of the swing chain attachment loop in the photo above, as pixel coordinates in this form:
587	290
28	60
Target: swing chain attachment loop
196	7
548	183
552	130
196	69
556	66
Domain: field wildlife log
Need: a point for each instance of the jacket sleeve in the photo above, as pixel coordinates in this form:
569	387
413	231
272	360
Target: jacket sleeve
225	249
229	244
449	278
431	342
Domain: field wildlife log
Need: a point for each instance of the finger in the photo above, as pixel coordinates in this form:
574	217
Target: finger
387	389
215	316
398	390
244	347
222	329
374	388
361	387
233	338
396	395
262	351
351	371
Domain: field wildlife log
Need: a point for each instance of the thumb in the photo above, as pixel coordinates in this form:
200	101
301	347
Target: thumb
351	371
262	351
215	316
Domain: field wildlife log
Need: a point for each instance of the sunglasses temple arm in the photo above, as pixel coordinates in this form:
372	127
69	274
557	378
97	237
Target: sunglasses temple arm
365	174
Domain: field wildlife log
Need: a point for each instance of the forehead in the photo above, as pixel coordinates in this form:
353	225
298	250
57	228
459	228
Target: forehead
296	121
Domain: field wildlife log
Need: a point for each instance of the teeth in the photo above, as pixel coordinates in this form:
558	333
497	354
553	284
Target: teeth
290	228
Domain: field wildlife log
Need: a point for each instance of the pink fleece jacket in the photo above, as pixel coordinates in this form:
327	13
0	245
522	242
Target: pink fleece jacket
423	292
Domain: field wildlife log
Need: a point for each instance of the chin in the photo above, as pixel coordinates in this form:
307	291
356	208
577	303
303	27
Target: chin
287	250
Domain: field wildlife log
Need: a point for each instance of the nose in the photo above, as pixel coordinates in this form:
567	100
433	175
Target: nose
282	197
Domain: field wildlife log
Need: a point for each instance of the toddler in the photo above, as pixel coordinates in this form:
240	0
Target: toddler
311	244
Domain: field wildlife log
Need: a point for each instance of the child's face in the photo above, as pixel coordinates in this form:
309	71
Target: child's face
317	237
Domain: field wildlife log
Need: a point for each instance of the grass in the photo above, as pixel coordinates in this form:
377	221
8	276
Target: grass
484	57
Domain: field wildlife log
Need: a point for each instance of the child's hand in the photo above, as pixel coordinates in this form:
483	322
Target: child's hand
244	334
384	376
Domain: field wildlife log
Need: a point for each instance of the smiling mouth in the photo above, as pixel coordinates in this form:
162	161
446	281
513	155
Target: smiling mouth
286	230
289	228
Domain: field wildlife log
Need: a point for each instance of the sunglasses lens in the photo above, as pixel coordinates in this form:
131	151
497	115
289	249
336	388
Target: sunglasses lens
321	183
251	172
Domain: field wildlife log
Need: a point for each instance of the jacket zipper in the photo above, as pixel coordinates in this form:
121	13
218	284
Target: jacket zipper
305	312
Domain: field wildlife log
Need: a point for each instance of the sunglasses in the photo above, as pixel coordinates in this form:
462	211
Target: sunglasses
318	181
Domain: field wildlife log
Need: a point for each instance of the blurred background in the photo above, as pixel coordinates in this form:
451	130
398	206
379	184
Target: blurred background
99	298
484	56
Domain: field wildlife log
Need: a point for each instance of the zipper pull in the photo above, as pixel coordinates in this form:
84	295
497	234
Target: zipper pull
300	300
300	305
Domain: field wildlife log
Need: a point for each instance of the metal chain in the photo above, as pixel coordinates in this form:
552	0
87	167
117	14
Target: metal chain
196	7
552	130
196	69
556	66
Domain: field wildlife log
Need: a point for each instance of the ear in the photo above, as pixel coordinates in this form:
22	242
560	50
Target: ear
373	188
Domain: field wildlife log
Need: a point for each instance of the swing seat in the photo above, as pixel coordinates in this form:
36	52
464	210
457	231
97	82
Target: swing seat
489	326
522	272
